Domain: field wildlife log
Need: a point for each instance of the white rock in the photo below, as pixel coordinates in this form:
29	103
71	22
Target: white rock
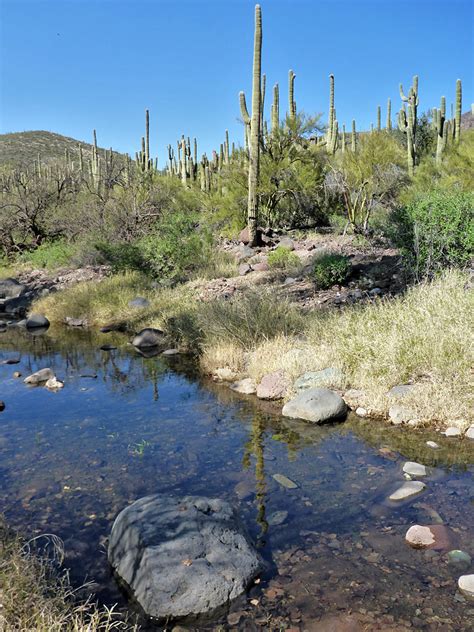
53	384
466	585
400	414
452	431
362	412
432	444
414	469
470	432
407	489
419	537
246	386
225	374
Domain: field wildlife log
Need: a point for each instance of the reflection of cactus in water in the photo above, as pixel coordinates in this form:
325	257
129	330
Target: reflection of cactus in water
255	446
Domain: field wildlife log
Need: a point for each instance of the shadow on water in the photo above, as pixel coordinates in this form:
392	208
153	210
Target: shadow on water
126	426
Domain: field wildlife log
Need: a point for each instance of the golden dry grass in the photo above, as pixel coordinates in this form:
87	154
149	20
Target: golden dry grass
34	597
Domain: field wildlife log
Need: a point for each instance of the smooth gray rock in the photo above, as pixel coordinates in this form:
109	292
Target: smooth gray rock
277	518
247	386
432	444
470	433
36	320
148	337
182	556
43	375
410	488
139	302
452	431
414	469
313	379
400	414
170	352
316	405
466	585
287	242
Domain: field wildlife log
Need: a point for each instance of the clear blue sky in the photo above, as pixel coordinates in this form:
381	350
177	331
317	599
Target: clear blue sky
73	65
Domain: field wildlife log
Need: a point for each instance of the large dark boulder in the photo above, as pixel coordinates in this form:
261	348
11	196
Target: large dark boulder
36	320
182	557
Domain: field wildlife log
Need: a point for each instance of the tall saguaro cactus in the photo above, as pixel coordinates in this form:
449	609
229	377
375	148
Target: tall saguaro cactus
291	96
275	114
147	140
389	115
332	131
458	112
407	121
254	162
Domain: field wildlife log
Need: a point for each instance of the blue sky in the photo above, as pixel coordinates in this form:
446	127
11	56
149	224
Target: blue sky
73	65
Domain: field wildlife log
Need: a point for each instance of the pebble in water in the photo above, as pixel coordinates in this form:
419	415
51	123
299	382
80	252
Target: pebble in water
414	469
285	481
410	488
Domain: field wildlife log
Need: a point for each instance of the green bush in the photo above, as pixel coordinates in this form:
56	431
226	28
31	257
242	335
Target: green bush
282	258
331	269
435	231
176	247
51	254
121	256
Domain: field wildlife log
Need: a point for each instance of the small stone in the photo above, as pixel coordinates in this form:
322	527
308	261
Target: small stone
400	414
432	444
361	412
277	517
244	269
54	384
466	585
436	537
287	242
452	431
234	618
376	291
75	322
470	432
414	469
408	489
224	374
261	266
170	352
17	374
460	559
273	385
247	386
2	405
285	481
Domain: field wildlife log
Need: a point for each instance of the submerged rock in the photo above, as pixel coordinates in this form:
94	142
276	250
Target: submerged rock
43	375
36	320
459	559
466	585
2	405
410	488
247	386
148	337
273	385
284	481
313	379
435	537
182	556
277	518
414	469
316	405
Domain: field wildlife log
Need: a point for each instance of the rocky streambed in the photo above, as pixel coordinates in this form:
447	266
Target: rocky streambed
358	525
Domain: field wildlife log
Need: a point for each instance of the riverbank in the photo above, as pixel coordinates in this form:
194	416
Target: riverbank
422	337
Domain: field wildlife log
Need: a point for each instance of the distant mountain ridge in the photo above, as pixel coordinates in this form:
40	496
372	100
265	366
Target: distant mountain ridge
22	148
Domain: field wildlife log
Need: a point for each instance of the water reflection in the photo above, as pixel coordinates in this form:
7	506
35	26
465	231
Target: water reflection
70	461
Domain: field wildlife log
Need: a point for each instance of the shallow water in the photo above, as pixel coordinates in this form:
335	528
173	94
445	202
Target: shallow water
71	460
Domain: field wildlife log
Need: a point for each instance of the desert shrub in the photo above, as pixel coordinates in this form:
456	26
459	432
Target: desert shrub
282	258
50	254
121	256
331	269
435	231
176	246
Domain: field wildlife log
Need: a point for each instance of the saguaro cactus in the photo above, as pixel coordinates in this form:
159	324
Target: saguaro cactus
389	115
407	122
353	137
252	205
291	96
147	140
457	119
275	114
332	131
379	118
442	128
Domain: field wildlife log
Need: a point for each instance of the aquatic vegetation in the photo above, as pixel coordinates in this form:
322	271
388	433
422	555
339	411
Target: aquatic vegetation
138	449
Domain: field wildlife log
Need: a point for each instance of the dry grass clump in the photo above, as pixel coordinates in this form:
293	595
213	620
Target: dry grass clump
106	301
34	597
